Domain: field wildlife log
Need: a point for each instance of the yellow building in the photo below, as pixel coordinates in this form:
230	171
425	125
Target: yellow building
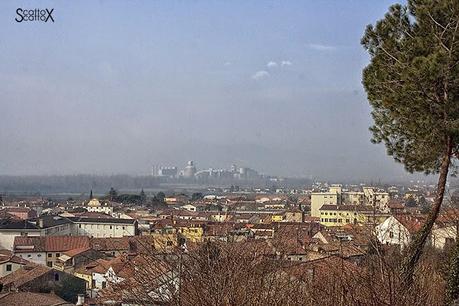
339	215
87	277
277	218
191	232
318	199
164	240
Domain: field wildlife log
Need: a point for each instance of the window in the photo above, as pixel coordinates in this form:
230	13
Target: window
93	283
79	225
56	277
169	243
39	255
29	255
104	284
50	255
49	263
58	254
391	234
111	227
9	267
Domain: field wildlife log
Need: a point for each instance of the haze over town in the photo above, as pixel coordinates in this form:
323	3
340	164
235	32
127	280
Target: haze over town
263	85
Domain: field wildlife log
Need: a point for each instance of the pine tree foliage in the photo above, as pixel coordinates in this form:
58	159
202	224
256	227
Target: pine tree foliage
412	84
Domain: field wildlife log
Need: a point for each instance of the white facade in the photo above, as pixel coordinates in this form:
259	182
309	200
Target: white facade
443	236
9	267
189	207
103	228
392	231
36	257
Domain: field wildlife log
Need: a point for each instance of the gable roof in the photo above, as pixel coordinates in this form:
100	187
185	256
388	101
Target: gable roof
101	220
31	298
7	256
49	243
9	224
410	222
24	275
110	244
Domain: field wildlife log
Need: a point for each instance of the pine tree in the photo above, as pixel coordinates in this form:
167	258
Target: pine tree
413	87
90	195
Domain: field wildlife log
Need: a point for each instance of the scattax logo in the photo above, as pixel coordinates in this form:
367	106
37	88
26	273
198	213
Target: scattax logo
40	15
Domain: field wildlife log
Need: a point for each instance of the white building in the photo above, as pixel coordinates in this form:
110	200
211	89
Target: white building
398	230
46	250
189	207
103	227
10	263
43	226
444	236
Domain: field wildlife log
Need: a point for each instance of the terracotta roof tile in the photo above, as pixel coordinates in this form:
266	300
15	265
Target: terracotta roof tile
50	243
24	275
31	298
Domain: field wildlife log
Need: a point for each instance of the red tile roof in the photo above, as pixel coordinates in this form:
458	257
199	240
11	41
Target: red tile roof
31	298
50	243
24	275
410	222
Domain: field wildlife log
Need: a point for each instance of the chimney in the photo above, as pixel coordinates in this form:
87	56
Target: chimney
80	301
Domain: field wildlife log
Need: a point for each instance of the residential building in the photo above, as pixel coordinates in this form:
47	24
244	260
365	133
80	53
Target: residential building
32	298
339	215
318	199
103	227
10	263
22	213
369	196
399	229
36	278
46	250
43	226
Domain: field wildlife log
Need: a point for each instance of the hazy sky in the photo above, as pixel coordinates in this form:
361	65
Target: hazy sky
115	87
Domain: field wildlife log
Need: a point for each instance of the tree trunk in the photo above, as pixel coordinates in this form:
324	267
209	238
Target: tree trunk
416	246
